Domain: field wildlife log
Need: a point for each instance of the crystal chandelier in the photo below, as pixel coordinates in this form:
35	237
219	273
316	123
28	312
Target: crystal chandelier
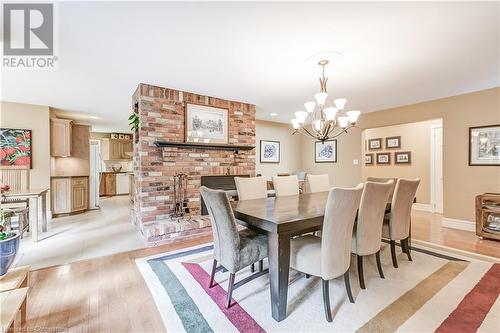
326	120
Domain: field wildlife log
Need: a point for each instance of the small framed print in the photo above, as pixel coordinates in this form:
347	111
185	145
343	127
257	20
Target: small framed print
384	158
269	151
403	157
325	152
375	144
484	145
393	142
368	159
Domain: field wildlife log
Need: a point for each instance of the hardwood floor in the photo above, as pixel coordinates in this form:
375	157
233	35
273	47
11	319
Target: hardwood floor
108	294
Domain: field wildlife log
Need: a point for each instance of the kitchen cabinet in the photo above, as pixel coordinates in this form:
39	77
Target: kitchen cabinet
116	149
114	183
69	195
60	137
122	183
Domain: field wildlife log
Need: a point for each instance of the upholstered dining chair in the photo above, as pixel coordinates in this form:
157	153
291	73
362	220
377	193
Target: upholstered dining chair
251	188
286	185
233	249
317	183
329	257
397	223
384	180
368	227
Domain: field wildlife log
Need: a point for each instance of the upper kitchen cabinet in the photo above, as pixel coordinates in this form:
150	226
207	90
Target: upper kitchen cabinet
116	149
60	137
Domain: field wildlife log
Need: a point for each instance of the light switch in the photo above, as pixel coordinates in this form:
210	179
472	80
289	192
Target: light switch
355	162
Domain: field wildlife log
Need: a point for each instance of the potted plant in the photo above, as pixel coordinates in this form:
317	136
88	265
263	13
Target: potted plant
9	241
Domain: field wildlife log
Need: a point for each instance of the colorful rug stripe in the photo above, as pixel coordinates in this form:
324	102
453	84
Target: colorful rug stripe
470	313
398	312
188	312
236	314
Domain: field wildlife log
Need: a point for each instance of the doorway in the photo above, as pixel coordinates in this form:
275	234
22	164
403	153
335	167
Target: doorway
437	168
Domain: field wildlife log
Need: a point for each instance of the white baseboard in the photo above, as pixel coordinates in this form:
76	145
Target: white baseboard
422	207
458	224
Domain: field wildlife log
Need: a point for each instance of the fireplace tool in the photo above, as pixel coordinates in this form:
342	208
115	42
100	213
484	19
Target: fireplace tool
181	209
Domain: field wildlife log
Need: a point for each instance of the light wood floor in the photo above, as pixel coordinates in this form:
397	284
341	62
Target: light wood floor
108	294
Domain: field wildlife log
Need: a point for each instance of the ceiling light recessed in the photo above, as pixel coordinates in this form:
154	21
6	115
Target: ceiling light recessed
93	117
273	114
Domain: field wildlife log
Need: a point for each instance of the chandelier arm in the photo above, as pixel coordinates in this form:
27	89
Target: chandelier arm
308	135
343	131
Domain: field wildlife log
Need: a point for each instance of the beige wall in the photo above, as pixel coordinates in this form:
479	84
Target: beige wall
35	118
290	148
416	138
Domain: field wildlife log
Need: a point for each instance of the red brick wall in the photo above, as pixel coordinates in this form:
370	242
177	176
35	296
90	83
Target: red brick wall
161	113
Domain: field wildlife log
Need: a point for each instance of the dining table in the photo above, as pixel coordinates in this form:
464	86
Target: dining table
282	218
34	195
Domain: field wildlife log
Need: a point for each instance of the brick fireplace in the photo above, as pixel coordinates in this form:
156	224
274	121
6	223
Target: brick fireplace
161	118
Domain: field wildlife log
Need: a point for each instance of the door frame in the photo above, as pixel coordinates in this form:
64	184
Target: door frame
433	171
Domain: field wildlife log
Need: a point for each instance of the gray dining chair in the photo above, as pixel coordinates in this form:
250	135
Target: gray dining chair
329	256
384	180
368	227
397	223
233	249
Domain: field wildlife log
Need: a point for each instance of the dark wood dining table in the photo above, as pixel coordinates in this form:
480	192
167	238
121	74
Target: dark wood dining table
282	218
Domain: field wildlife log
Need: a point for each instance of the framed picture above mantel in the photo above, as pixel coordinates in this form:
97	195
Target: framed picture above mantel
206	124
484	145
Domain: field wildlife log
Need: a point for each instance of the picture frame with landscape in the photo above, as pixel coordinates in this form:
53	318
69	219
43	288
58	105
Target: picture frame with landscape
206	124
325	152
484	145
269	151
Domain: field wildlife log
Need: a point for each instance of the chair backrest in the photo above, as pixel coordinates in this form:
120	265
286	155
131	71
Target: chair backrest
286	185
402	201
317	183
283	174
384	180
17	179
371	217
301	175
336	237
225	232
251	188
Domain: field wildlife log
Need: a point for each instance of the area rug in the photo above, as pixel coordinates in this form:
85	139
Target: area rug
437	292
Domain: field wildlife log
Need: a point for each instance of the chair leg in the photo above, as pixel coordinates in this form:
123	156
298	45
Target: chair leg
326	300
261	265
360	273
252	268
403	247
393	254
407	247
212	275
379	265
230	290
347	282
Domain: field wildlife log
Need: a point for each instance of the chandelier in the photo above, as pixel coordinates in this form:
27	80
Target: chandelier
325	120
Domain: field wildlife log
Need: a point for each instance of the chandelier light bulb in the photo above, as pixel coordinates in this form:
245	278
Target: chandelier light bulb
353	116
301	116
310	106
295	123
330	112
343	121
321	98
317	125
340	103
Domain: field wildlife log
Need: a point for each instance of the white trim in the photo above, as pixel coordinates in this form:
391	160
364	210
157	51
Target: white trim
462	254
433	166
458	224
422	207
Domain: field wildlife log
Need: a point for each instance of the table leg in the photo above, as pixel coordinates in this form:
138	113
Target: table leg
44	212
34	218
279	266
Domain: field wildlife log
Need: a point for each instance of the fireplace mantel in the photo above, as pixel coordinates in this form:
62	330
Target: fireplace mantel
197	145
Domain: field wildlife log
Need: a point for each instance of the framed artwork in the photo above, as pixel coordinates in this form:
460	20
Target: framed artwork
206	124
375	144
484	145
325	152
402	157
15	148
393	142
269	151
368	159
384	158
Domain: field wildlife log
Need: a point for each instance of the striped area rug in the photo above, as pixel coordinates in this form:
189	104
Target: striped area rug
434	293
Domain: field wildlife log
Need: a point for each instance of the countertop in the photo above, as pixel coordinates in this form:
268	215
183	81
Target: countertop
69	176
117	172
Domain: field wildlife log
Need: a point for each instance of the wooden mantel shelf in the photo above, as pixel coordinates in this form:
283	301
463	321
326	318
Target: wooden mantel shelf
197	145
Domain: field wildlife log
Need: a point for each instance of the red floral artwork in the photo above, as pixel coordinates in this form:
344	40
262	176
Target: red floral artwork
15	147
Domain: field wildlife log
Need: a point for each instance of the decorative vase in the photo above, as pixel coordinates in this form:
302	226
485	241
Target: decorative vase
8	252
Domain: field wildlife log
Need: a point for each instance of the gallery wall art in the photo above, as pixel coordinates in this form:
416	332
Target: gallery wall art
383	158
15	148
484	145
402	157
206	124
325	152
269	151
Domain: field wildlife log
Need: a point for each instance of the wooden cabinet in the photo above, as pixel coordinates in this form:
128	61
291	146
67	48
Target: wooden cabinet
69	194
60	137
108	184
116	149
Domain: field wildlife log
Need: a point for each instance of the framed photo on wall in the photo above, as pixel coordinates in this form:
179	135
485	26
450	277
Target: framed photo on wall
383	158
484	145
368	159
269	151
206	124
375	144
393	142
16	148
402	157
325	152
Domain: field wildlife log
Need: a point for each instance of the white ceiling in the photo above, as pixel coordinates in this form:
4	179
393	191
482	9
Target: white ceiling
394	54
